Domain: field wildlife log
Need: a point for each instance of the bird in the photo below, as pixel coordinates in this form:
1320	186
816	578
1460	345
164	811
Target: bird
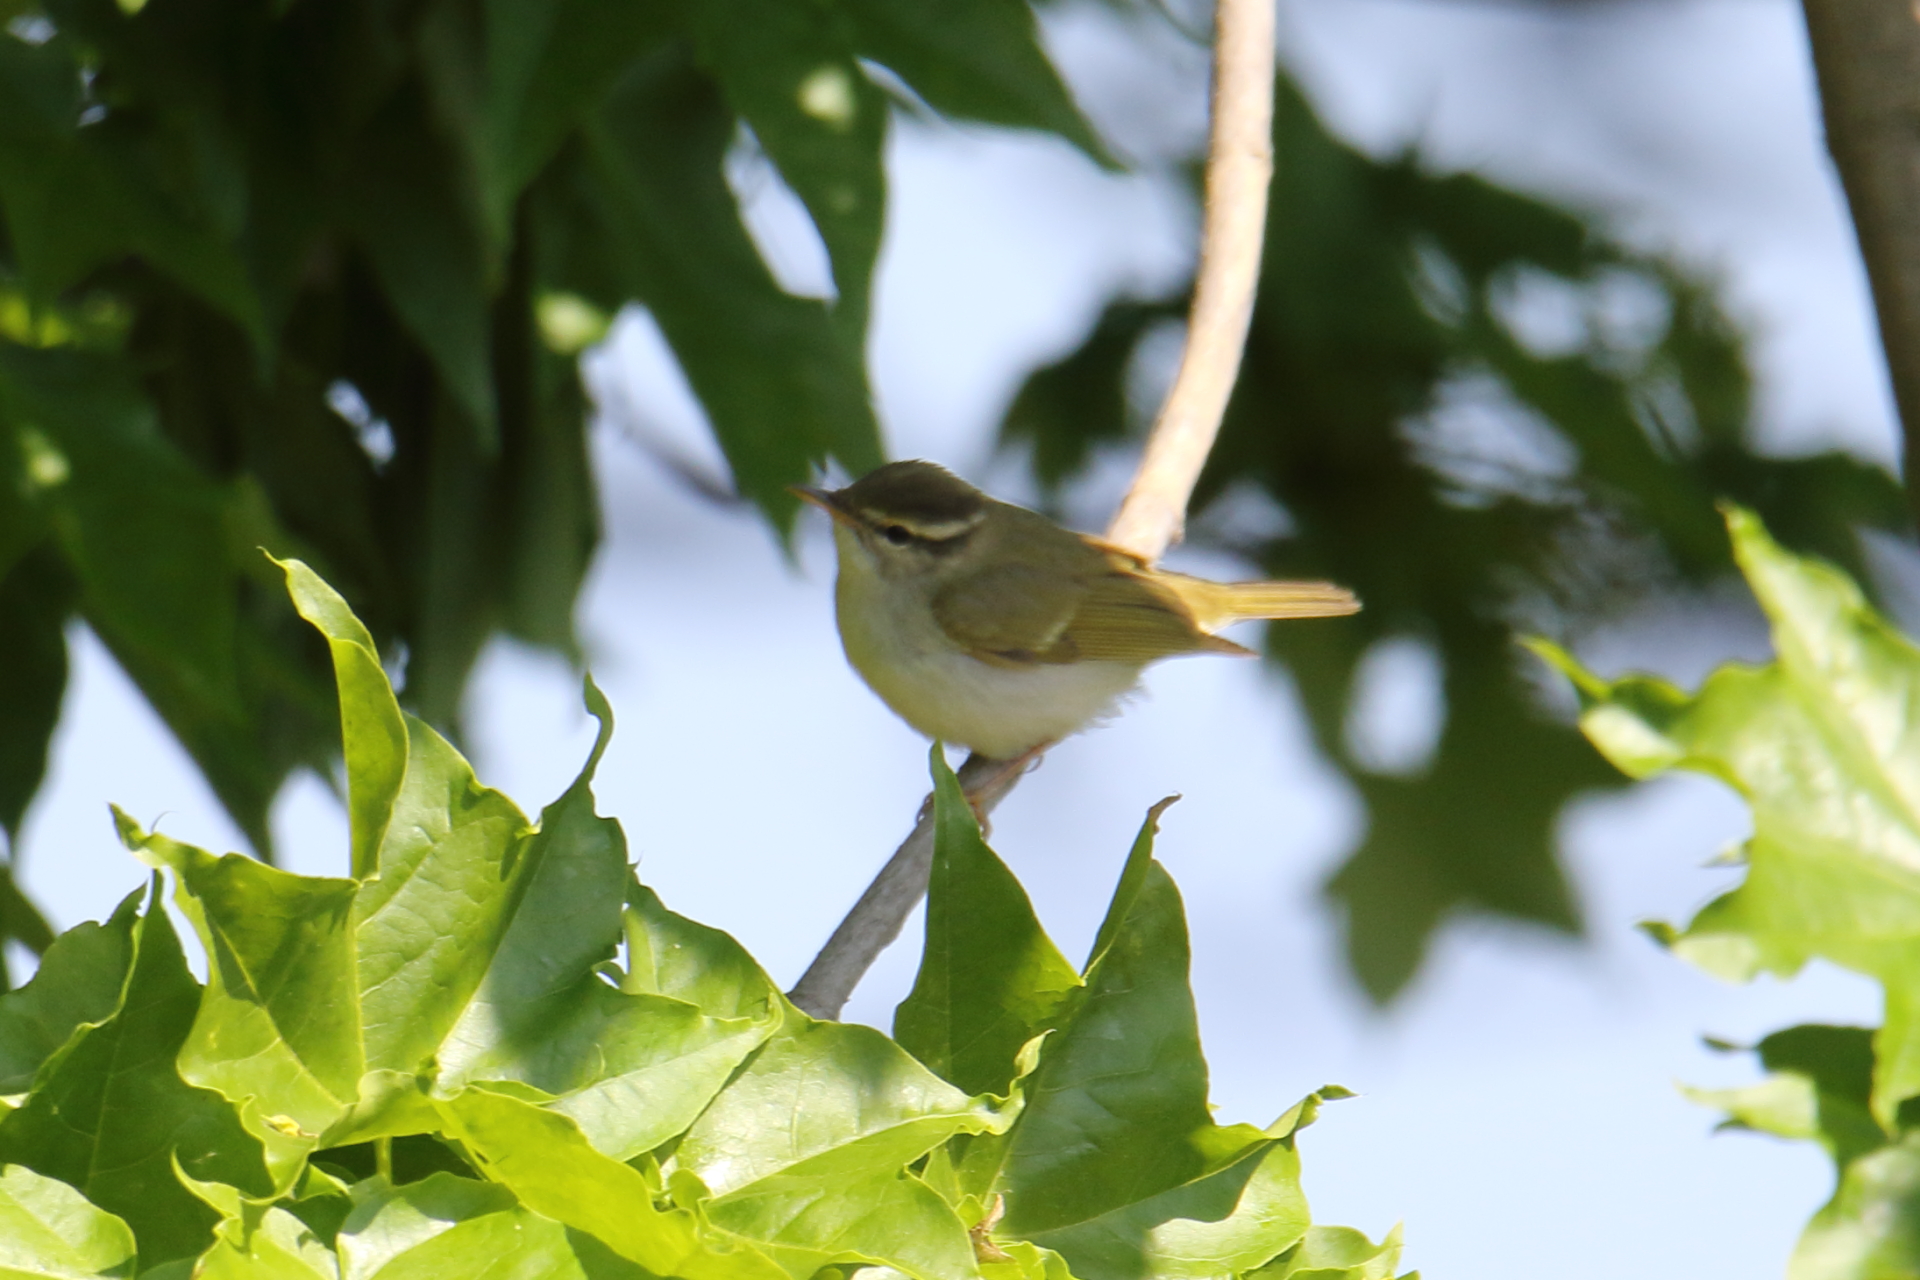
989	626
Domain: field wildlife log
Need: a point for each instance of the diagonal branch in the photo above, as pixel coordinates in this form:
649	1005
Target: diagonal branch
1150	519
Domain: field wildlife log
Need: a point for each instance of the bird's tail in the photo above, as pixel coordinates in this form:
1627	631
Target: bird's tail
1218	604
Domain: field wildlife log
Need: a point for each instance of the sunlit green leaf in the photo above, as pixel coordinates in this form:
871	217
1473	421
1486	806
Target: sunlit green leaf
670	955
826	1102
1871	1227
373	734
48	1229
448	1226
1337	1253
1116	1162
470	955
887	1218
1820	746
548	1164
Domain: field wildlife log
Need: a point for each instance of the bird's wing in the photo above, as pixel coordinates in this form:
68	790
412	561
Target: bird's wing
1010	613
1128	617
1095	611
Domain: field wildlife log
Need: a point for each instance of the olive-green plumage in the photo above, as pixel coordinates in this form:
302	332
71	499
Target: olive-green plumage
989	625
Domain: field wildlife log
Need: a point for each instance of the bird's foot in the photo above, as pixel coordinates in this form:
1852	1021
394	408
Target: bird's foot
984	780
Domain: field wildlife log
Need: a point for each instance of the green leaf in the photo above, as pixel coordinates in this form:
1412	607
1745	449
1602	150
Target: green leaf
278	1028
789	70
1115	1162
1871	1227
990	979
1820	746
373	733
449	1226
1819	1089
415	210
36	599
387	1221
163	558
1337	1253
77	197
670	955
48	1229
1117	1109
79	981
110	1116
548	66
824	1103
549	1165
980	59
651	215
805	1150
471	955
887	1219
469	951
263	1243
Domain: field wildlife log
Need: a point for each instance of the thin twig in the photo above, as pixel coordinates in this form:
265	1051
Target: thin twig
1239	169
876	920
1239	166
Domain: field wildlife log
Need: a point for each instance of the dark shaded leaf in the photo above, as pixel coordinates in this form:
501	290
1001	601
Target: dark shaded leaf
979	59
79	980
654	219
413	207
36	599
790	71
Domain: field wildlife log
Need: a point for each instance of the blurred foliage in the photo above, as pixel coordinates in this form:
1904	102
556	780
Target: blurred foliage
1477	411
1823	746
314	275
490	1050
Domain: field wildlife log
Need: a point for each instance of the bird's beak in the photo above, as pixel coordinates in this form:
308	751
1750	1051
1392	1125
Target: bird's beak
820	498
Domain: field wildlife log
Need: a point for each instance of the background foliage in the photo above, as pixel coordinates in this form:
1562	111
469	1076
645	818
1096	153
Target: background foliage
491	1050
315	277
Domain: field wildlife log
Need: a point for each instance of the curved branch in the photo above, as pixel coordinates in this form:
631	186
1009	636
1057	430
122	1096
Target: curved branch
1239	166
1239	169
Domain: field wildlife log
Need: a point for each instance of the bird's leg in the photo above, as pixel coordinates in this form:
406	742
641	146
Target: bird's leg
983	779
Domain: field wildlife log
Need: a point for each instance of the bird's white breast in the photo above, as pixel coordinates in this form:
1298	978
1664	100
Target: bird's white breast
891	638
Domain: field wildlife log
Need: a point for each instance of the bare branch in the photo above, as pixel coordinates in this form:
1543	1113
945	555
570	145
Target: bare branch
876	920
1239	167
1867	54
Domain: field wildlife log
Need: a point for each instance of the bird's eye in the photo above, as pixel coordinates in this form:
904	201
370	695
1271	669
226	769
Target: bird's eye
898	534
